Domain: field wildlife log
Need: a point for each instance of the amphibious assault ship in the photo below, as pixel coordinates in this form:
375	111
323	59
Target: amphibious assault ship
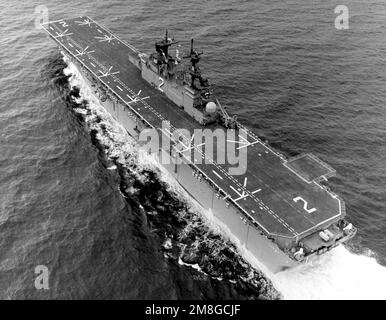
275	207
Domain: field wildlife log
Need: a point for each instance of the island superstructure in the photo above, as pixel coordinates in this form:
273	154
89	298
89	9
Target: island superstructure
278	209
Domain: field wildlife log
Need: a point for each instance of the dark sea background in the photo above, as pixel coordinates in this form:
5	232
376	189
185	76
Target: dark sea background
100	226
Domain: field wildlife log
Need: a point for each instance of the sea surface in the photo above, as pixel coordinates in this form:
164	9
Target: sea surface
77	196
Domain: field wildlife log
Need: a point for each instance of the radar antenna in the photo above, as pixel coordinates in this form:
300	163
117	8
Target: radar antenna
163	45
195	70
193	55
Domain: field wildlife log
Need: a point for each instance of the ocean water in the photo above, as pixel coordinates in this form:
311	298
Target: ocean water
78	197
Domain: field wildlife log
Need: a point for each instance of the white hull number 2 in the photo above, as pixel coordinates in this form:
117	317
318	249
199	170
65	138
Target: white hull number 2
305	204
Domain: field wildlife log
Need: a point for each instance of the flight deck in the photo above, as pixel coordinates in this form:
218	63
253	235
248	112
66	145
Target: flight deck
283	196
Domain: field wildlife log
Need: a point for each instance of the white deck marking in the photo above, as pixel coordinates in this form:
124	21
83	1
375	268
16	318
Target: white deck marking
168	131
70	45
235	190
51	22
192	145
245	193
305	204
217	175
247	145
119	88
83	52
107	38
166	134
62	34
123	42
63	24
243	142
135	98
86	22
241	197
108	72
93	64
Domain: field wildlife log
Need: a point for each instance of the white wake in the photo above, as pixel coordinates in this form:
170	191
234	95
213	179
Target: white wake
337	275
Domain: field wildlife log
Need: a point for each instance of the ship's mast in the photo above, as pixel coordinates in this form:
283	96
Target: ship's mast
195	71
194	56
163	45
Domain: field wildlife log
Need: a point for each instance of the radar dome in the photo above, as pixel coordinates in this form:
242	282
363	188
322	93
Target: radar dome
211	107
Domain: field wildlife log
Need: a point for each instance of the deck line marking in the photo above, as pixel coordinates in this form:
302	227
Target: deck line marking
84	22
121	41
51	22
241	197
217	175
235	190
245	140
247	145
